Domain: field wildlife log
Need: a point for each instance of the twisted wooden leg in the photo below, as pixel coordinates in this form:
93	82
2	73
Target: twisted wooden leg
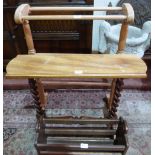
113	100
39	97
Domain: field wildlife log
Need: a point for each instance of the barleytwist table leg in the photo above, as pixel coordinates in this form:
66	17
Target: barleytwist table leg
36	94
113	100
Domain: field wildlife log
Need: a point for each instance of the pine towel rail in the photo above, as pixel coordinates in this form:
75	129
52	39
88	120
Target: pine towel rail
75	9
75	17
23	16
23	13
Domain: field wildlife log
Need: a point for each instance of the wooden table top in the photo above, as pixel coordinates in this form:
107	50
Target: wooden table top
43	65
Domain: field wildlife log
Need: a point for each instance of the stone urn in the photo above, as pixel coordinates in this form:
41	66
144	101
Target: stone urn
138	40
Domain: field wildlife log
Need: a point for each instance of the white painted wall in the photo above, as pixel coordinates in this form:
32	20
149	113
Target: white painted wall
95	33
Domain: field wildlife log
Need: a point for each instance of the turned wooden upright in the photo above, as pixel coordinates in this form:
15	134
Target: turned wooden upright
35	66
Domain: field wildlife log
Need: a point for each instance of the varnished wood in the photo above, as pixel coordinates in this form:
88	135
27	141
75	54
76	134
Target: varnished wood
79	139
23	9
71	139
75	17
28	37
72	65
48	36
37	90
75	9
78	83
76	147
123	37
128	10
74	83
22	13
141	9
36	98
110	101
68	65
41	93
79	132
78	121
114	97
121	135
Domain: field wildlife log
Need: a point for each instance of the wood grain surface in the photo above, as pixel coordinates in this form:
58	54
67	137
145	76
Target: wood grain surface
76	65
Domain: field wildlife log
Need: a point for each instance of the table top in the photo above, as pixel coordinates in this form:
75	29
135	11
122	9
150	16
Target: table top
46	65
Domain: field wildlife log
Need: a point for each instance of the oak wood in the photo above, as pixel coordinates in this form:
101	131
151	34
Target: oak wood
17	84
115	94
113	85
78	83
76	147
79	139
79	121
66	153
41	93
69	139
80	65
38	97
79	132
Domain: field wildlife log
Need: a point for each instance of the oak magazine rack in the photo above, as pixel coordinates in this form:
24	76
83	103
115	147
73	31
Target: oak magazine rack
77	135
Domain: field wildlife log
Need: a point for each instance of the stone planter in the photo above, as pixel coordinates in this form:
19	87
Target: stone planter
137	43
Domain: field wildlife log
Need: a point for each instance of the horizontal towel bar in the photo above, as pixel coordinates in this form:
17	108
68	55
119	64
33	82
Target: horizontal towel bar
23	13
74	17
75	8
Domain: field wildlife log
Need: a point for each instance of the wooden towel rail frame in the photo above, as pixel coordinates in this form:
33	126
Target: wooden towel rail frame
23	16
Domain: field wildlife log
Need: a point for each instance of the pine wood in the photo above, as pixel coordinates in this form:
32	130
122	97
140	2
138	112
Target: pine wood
36	66
22	13
28	37
123	37
76	65
128	10
23	9
75	9
75	17
54	36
